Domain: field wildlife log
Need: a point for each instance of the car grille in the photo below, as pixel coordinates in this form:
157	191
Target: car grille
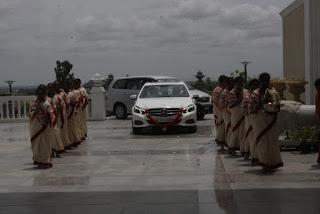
164	112
203	99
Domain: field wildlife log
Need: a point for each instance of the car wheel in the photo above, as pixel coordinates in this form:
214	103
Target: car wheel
136	131
200	115
120	111
193	129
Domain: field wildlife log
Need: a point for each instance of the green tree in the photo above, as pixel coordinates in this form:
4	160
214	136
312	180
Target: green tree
200	84
209	84
200	75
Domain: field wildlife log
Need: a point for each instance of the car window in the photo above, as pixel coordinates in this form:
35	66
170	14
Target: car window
133	84
120	84
145	80
137	83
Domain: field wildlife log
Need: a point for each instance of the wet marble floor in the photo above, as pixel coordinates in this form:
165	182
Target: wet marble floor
116	172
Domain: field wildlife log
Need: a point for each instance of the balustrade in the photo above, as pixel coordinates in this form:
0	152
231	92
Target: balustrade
15	108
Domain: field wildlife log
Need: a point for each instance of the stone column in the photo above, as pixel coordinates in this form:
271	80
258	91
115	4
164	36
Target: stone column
312	47
98	96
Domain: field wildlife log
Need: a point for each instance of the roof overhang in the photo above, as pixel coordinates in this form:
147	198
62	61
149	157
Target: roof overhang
292	7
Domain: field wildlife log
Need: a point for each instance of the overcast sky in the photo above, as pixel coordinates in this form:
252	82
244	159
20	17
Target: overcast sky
136	37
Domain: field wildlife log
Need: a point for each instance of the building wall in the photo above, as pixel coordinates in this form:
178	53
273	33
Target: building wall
312	44
294	45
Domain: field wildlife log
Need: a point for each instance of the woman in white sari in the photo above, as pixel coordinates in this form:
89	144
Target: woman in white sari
217	110
60	101
246	106
84	112
73	119
226	114
266	105
82	108
55	139
237	118
40	123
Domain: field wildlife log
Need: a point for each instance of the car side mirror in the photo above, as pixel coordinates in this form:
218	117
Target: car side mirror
133	97
195	96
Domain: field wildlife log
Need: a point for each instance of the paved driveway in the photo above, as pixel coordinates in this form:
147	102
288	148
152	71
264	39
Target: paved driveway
116	172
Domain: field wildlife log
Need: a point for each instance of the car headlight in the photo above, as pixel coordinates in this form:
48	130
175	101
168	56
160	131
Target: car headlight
203	99
138	110
189	109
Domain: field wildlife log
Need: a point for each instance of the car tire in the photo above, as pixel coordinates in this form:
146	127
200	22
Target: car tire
200	112
120	111
193	129
200	115
136	131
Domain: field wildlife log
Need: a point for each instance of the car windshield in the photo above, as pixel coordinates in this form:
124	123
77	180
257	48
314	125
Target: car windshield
155	91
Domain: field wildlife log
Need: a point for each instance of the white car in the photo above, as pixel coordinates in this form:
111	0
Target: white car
119	91
118	95
164	105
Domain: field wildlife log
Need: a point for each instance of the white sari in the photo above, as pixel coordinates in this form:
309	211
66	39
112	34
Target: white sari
237	139
55	138
266	132
73	118
218	121
62	121
39	128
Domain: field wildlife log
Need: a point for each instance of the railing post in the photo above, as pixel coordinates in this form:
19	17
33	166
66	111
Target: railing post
1	110
98	96
19	108
25	109
13	108
7	110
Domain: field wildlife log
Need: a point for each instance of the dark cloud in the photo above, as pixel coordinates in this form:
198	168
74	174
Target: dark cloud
197	9
95	31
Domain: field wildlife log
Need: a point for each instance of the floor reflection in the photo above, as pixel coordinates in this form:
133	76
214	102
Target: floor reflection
41	180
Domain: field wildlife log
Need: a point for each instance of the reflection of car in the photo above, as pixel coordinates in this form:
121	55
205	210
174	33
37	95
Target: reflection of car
119	91
202	100
164	105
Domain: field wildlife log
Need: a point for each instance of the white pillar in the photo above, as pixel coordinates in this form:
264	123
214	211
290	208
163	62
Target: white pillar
312	43
98	96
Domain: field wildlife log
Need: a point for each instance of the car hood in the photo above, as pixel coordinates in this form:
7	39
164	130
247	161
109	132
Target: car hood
164	102
199	93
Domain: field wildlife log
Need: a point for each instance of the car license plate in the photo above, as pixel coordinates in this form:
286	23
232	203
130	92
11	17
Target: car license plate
164	119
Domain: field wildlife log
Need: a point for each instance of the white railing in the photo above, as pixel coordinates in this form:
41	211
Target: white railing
15	108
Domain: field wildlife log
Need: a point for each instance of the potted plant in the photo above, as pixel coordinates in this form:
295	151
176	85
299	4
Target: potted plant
308	138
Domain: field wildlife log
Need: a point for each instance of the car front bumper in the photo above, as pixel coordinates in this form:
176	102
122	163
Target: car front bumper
188	119
207	108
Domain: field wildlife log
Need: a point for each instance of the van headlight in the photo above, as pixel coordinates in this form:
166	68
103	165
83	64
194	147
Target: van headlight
139	110
190	108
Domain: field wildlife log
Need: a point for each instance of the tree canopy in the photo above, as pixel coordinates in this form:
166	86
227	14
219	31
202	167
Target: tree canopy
63	71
